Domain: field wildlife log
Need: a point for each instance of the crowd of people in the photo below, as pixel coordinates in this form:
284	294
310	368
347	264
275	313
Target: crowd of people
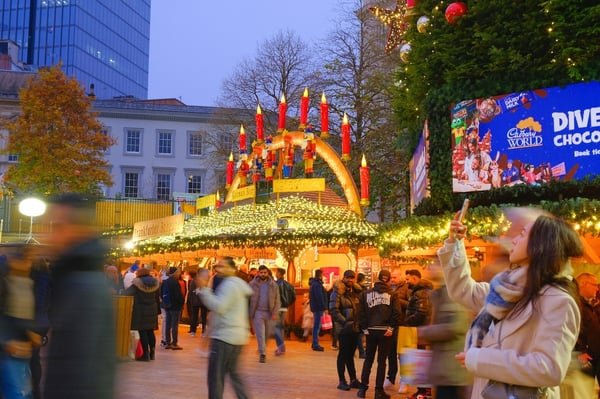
532	330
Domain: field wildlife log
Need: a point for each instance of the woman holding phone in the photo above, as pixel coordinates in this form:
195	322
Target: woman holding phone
528	319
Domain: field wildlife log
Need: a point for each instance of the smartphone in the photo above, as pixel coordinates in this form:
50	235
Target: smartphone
463	210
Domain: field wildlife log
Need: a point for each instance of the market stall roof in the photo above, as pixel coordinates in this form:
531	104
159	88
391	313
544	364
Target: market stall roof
292	222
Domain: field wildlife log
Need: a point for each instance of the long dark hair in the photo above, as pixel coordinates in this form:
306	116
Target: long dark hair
552	241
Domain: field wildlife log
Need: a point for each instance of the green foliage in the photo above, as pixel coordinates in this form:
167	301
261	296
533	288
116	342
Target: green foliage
498	47
59	143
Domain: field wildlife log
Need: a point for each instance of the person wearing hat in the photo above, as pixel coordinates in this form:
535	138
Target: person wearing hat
230	327
130	274
380	312
172	301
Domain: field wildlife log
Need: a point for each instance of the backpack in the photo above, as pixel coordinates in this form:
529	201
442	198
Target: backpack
165	296
287	294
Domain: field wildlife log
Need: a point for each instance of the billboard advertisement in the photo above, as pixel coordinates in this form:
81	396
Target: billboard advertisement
419	164
530	137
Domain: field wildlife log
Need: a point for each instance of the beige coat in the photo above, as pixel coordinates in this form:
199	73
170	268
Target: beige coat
536	344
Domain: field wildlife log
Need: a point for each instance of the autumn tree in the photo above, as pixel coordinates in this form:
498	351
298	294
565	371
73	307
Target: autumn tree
58	141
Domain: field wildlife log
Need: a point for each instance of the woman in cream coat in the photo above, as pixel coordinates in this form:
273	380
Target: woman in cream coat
528	319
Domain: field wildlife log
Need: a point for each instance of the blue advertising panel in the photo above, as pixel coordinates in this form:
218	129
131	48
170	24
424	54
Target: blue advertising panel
530	137
419	164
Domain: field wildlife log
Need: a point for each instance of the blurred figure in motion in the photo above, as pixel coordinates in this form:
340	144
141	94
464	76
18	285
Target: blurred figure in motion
81	354
229	329
445	335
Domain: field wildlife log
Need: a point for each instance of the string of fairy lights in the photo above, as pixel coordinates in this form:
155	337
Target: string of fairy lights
310	224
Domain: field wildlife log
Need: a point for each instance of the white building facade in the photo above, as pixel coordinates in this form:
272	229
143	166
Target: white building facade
165	147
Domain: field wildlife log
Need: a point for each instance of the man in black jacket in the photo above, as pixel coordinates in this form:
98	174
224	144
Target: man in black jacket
379	314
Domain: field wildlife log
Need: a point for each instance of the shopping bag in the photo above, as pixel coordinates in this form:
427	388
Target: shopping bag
326	322
415	366
139	351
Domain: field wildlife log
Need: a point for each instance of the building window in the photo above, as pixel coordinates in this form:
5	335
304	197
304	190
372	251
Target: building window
133	141
13	158
131	186
163	186
221	179
105	132
165	143
226	142
194	184
195	144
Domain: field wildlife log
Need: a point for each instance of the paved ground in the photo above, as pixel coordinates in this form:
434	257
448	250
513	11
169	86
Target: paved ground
300	374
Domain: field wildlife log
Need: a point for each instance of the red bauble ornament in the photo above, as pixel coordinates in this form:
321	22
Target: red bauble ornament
454	11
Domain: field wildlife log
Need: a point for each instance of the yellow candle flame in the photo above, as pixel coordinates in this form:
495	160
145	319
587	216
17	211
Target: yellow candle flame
231	156
218	196
282	98
345	120
242	131
363	163
258	110
323	98
305	92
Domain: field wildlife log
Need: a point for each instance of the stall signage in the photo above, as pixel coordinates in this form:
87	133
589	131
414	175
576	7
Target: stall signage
298	185
261	253
243	193
158	227
206	202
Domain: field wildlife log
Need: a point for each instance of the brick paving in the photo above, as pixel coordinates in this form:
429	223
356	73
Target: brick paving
299	374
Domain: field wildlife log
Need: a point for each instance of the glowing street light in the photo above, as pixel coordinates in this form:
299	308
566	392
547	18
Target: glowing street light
32	207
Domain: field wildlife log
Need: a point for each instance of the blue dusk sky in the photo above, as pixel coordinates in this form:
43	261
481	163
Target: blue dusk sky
196	44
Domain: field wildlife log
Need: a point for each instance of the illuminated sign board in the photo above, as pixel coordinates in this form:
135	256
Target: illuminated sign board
530	137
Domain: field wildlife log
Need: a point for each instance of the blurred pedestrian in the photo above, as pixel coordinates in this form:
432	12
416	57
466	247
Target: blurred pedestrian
588	343
418	313
229	330
81	357
528	319
400	288
307	317
445	336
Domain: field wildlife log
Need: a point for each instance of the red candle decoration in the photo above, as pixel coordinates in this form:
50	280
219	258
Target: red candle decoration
364	182
324	117
282	111
243	149
230	168
260	126
218	201
345	139
304	109
410	7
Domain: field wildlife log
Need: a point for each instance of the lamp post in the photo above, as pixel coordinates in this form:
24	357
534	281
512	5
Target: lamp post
32	207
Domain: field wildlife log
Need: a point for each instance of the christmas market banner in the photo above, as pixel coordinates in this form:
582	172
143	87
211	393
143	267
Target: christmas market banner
419	176
529	137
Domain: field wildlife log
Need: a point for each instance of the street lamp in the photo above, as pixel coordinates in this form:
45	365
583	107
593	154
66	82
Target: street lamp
32	207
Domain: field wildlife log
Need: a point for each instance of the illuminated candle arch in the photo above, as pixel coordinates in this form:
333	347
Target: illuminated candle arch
332	159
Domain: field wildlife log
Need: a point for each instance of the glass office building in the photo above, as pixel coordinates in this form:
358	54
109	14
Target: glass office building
101	42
